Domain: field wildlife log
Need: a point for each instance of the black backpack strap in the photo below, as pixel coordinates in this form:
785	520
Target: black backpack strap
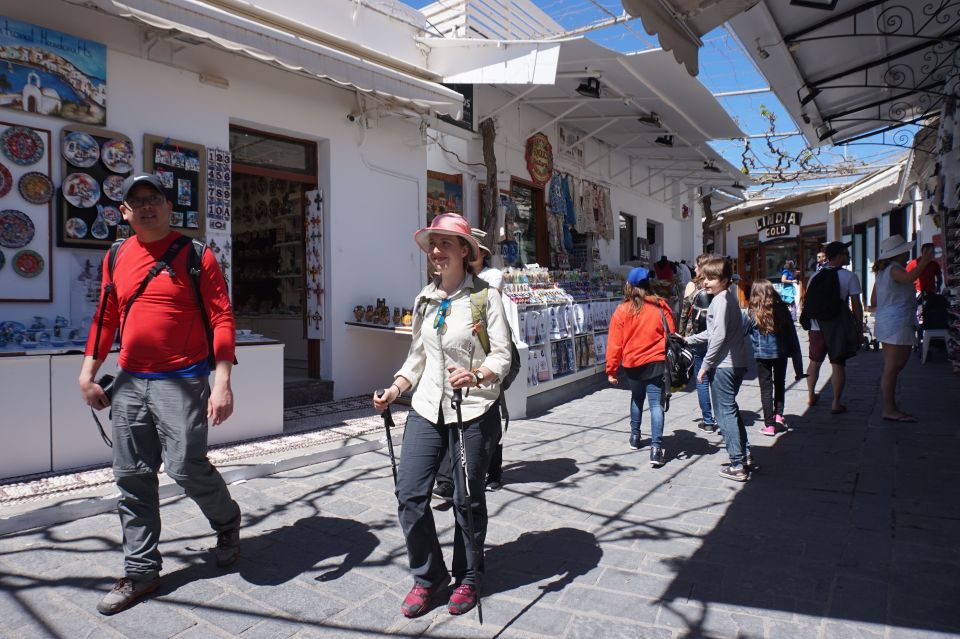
110	287
163	264
195	264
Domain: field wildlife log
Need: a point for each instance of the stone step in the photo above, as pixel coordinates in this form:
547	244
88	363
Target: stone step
301	392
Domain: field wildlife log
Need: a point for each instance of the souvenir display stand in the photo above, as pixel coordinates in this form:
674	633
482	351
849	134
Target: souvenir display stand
62	433
560	323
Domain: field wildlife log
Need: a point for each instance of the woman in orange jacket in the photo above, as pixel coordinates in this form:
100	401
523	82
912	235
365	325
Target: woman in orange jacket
637	341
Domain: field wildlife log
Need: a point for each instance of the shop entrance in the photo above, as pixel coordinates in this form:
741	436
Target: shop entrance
748	260
271	175
530	227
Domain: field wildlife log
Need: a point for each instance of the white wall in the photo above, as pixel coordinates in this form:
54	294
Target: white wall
374	182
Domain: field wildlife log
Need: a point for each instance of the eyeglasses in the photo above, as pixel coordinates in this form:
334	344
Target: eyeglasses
152	200
439	322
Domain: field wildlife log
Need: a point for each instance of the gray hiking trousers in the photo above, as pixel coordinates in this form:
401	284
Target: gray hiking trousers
164	420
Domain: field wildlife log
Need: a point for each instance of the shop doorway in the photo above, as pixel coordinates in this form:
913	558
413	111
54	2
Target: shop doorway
271	176
748	261
628	238
530	227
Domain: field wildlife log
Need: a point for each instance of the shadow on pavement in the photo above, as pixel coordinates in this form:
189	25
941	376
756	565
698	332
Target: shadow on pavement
547	470
282	554
852	522
534	556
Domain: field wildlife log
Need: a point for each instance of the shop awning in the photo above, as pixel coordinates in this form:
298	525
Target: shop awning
679	24
478	61
645	107
856	68
287	49
885	179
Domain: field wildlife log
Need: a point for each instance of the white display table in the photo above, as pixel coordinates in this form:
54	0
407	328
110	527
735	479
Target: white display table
47	427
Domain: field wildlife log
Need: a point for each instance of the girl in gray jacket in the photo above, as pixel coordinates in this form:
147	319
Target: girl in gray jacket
725	363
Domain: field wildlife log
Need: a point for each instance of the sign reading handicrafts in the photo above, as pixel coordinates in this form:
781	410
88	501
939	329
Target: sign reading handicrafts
539	155
776	226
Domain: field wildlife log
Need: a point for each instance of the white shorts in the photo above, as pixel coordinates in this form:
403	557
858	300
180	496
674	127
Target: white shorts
894	332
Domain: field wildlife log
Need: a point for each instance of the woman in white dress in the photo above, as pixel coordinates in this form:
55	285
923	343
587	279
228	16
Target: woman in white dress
894	297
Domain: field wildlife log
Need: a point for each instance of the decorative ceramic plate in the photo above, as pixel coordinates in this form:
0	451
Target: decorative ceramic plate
113	187
27	263
76	228
118	155
35	187
81	190
16	229
80	149
21	145
6	180
111	215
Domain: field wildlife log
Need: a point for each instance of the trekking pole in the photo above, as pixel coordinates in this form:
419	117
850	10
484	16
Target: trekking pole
388	424
461	440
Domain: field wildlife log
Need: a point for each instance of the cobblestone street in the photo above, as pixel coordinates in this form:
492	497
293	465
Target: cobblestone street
849	529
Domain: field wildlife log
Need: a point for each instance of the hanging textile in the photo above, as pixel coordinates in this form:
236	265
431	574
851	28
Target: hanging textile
570	215
555	199
605	227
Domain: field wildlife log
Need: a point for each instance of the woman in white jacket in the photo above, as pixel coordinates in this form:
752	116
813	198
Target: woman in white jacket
453	314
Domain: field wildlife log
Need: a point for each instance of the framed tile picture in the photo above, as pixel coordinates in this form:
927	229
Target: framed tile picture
94	163
182	167
26	196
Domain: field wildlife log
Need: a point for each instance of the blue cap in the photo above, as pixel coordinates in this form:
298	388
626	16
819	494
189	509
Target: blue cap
637	275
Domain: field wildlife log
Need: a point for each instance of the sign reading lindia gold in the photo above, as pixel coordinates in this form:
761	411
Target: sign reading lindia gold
539	154
774	226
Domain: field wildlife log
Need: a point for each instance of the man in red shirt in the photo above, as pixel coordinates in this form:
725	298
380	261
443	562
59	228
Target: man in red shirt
931	279
162	399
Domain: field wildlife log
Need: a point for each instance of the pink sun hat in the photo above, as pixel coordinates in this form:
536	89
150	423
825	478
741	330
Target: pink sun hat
448	224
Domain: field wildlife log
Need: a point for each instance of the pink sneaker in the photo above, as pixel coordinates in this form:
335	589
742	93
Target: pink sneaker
418	599
463	599
769	430
779	420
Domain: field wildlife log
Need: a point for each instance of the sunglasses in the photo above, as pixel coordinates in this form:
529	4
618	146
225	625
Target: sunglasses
439	322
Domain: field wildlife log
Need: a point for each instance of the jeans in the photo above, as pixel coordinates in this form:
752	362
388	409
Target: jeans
424	446
771	375
724	386
154	421
703	388
641	389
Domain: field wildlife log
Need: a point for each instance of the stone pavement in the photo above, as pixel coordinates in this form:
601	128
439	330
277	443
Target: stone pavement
849	529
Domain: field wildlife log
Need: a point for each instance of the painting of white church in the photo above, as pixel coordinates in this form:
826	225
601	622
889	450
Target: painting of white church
52	73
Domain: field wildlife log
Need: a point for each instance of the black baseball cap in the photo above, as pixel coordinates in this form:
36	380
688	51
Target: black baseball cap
142	178
834	249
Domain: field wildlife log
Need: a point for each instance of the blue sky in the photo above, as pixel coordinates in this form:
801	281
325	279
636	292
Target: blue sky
724	66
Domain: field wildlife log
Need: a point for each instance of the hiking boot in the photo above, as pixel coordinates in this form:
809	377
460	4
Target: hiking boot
124	593
635	441
443	490
463	599
418	599
736	473
769	430
656	456
708	427
228	547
